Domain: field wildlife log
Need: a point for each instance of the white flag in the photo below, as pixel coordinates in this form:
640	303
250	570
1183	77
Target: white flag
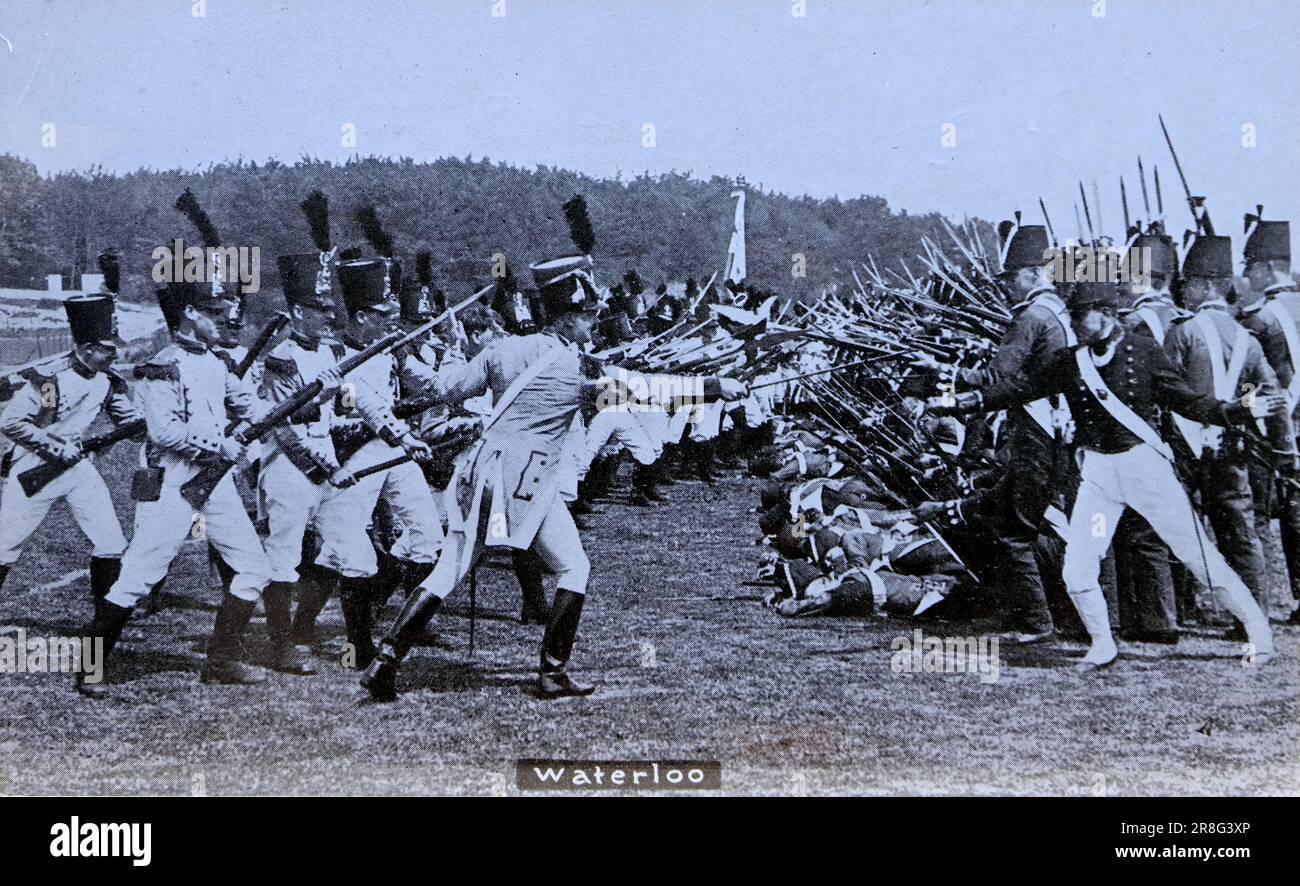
736	251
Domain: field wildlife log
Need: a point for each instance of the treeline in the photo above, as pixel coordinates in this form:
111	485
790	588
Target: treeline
667	226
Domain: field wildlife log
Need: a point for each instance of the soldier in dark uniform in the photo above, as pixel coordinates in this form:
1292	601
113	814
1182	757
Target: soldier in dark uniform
1217	356
1116	383
1274	319
1040	328
1144	577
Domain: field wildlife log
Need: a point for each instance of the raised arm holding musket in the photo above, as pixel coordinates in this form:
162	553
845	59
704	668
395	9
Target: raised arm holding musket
1115	383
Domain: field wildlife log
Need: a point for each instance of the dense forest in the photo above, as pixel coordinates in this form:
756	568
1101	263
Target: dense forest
667	226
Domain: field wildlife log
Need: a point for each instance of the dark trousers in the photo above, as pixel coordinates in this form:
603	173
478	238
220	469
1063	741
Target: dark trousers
1023	494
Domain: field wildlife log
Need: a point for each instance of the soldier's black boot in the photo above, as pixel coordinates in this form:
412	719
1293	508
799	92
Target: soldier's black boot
704	461
103	575
380	678
553	680
638	496
223	665
315	586
282	655
664	464
107	626
413	575
528	571
358	617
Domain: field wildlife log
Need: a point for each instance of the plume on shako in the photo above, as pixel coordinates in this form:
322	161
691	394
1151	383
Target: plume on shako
189	205
382	243
317	210
111	268
566	284
580	230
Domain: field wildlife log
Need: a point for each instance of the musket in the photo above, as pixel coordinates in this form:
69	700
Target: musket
33	480
1096	202
454	440
1047	220
1078	222
264	337
197	489
1123	199
1160	200
1146	201
1203	223
1092	238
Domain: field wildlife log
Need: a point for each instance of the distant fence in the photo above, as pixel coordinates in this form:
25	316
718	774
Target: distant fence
15	350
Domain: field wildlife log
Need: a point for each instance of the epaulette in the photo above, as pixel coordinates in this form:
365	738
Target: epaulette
45	370
158	372
1253	309
280	365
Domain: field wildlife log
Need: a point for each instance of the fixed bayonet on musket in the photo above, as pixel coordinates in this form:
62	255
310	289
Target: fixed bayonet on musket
1092	238
1202	219
1146	201
1123	199
1047	220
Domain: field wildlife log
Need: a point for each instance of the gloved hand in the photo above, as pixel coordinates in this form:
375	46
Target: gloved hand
331	380
67	451
342	479
417	449
954	404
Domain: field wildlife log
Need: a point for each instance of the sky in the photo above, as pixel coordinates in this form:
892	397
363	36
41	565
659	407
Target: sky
846	99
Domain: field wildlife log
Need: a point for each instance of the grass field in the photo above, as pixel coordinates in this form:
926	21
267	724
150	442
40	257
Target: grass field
686	671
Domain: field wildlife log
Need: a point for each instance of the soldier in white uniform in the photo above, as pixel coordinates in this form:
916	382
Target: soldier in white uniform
365	405
299	467
512	491
47	419
183	393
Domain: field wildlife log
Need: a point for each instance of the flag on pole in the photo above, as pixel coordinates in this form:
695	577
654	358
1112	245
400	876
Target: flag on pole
736	250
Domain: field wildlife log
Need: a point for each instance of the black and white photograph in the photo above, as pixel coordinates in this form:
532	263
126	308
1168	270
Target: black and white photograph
540	398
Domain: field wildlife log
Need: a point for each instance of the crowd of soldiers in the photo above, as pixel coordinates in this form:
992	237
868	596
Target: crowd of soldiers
345	421
1121	441
986	432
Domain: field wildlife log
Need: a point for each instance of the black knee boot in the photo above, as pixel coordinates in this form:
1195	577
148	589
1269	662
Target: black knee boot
315	585
103	574
380	678
703	467
223	665
557	645
528	571
283	655
358	618
107	627
413	575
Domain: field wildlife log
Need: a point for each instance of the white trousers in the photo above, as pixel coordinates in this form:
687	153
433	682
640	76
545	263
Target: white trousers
345	513
1144	480
557	542
620	424
290	503
162	526
87	497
